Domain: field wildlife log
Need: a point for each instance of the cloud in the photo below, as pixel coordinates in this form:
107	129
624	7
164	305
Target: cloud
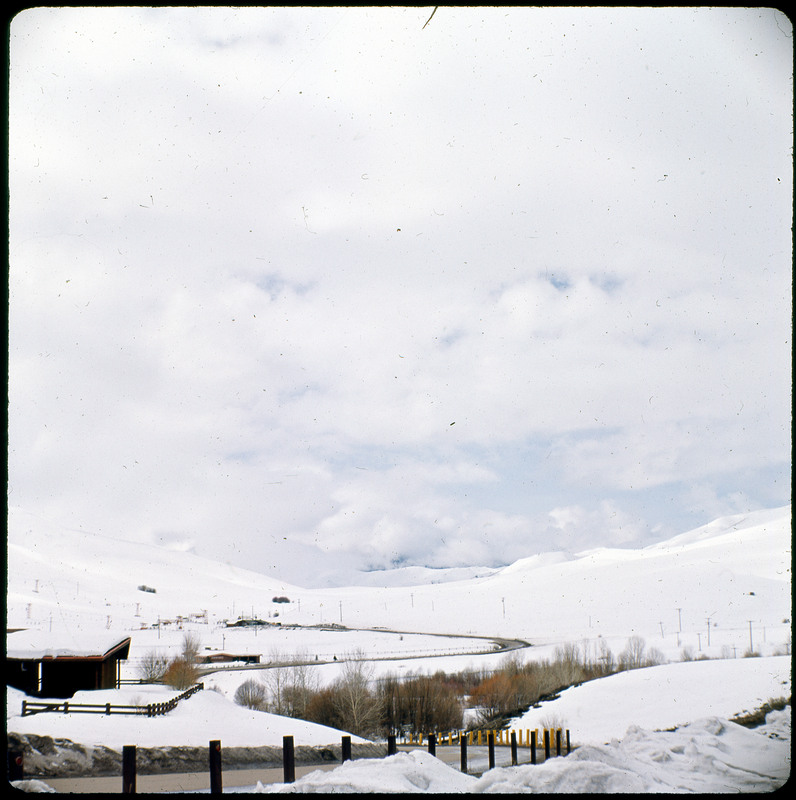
309	281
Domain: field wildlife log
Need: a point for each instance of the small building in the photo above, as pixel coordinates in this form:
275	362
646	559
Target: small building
228	658
46	664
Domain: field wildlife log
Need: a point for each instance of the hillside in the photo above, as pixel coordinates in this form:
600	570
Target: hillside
719	591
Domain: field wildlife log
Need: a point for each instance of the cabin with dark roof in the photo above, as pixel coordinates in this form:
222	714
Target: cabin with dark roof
45	665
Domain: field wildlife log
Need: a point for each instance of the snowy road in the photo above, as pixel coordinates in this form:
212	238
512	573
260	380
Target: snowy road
499	645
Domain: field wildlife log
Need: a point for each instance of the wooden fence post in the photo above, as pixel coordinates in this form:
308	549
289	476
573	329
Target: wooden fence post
491	743
432	744
463	748
345	749
16	770
288	759
392	748
215	766
533	746
558	742
513	749
546	744
128	769
568	747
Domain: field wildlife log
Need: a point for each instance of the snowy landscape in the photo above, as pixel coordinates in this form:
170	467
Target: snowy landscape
387	371
714	604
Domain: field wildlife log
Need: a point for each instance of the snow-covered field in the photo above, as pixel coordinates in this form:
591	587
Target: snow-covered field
719	592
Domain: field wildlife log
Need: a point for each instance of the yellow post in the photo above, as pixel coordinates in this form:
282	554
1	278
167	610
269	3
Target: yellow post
420	738
479	737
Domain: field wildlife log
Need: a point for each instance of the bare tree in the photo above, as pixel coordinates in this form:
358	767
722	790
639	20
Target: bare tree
191	645
302	683
632	657
251	694
153	666
276	682
183	671
606	658
357	706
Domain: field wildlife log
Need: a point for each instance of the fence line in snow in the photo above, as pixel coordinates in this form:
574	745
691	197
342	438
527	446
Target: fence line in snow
67	707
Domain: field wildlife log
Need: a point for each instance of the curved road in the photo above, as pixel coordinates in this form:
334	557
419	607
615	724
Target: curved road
501	645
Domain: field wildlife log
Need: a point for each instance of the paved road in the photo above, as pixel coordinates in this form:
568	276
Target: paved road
178	782
477	763
500	645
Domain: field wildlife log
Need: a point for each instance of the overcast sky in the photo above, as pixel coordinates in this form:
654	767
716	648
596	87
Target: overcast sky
292	282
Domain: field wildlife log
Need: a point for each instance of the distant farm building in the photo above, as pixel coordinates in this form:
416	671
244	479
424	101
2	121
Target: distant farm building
228	658
45	664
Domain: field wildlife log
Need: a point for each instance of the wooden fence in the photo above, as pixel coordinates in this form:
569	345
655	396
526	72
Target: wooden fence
149	710
16	765
479	737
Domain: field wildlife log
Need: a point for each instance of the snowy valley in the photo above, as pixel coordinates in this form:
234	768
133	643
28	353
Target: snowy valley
713	604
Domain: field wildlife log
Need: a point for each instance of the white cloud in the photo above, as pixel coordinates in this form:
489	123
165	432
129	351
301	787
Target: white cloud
249	246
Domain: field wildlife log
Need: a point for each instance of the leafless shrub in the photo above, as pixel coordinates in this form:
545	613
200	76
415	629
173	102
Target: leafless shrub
687	653
152	667
251	694
180	674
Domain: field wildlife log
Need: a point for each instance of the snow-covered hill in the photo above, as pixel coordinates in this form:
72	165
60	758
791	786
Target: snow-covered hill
719	591
726	585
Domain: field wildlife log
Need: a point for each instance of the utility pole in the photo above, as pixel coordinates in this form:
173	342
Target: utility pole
341	611
661	624
680	620
709	628
751	646
503	600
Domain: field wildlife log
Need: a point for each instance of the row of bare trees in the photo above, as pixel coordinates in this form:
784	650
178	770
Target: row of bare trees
426	703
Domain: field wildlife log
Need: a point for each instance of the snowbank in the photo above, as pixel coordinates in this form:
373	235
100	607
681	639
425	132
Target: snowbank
197	720
709	755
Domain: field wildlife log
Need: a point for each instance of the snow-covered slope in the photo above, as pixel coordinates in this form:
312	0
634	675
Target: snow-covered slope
719	591
735	572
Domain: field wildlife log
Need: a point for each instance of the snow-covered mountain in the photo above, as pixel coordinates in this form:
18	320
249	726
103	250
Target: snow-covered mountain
720	591
735	572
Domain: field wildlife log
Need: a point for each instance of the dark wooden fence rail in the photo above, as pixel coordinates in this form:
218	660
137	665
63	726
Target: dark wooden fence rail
149	710
16	766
